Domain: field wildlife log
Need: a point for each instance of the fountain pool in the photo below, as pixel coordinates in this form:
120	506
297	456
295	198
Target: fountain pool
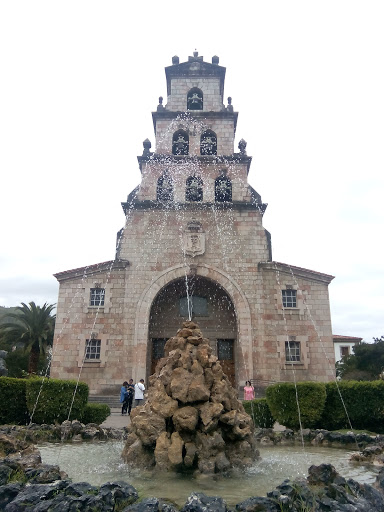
100	462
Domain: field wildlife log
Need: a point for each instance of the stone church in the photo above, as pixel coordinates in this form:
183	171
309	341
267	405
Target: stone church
193	247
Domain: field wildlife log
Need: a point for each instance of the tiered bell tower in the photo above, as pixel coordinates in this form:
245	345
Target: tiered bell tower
194	246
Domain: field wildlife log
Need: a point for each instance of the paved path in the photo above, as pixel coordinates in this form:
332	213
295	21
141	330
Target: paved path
116	420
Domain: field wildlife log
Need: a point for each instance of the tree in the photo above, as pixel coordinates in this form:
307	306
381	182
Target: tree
367	362
33	326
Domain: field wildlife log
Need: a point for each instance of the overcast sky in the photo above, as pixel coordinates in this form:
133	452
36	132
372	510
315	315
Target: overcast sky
81	78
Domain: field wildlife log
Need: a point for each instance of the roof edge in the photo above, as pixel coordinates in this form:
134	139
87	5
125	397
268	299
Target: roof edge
97	268
304	273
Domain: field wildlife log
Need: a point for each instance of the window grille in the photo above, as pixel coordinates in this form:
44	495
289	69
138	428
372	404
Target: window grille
289	298
92	349
292	351
97	297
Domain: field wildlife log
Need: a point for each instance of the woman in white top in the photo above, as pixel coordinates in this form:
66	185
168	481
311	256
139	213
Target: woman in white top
139	392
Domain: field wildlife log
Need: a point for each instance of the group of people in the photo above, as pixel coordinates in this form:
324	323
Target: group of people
130	392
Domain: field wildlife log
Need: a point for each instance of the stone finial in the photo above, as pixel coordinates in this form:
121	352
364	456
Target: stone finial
242	146
230	106
195	54
215	59
175	59
147	146
160	106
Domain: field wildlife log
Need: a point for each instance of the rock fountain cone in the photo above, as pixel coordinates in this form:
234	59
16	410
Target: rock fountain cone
192	419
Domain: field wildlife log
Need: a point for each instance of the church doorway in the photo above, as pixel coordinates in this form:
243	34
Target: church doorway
209	306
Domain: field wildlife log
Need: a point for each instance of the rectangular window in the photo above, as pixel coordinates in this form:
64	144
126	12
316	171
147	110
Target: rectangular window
97	297
198	306
225	350
289	298
344	351
292	351
92	350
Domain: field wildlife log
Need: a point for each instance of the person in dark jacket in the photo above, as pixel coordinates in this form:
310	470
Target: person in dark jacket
124	397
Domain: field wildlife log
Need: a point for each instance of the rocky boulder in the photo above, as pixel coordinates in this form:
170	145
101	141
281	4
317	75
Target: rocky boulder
193	419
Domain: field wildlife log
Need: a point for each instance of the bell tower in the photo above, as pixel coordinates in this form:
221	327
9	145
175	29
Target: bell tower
193	246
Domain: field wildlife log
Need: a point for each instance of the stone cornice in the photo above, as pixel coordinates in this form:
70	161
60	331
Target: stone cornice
304	273
213	160
90	270
193	206
200	115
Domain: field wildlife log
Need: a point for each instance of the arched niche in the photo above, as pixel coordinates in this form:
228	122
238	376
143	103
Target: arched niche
223	189
180	143
194	189
209	305
208	143
164	190
195	99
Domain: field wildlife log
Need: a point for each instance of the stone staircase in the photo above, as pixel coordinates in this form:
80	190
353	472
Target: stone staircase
112	401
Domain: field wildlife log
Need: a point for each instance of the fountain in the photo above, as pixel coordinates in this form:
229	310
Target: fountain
196	198
193	418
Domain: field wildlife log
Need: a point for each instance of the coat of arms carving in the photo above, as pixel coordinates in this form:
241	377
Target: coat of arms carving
194	239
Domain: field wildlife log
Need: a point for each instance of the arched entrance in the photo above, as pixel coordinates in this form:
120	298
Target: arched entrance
208	304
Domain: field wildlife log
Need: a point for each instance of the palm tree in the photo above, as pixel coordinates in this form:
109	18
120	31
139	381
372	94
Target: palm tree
34	327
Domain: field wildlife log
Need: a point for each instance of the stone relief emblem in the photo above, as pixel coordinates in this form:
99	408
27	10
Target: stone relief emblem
194	239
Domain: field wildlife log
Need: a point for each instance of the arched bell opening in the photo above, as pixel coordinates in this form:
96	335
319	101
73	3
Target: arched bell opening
195	99
209	305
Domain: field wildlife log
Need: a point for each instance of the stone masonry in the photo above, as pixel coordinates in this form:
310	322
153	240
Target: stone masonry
174	248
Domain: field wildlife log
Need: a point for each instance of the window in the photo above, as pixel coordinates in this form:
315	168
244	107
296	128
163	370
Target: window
344	351
158	345
289	298
223	189
164	189
292	351
208	143
195	99
180	143
97	297
92	350
198	306
194	189
225	350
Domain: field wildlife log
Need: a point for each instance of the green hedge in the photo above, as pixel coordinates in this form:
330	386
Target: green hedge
260	413
50	402
363	400
282	402
95	413
13	405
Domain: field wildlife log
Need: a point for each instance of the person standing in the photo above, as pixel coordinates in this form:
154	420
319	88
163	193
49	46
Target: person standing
139	392
249	391
124	397
131	393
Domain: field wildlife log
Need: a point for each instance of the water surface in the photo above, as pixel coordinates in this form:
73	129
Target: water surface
100	462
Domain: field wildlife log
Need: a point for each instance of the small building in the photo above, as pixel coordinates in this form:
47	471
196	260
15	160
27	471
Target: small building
193	246
343	345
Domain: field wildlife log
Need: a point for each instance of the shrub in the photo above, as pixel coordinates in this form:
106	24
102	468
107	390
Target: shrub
50	400
13	405
260	413
95	413
283	405
364	402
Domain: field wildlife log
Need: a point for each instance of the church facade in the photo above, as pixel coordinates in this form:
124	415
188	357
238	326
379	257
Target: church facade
193	246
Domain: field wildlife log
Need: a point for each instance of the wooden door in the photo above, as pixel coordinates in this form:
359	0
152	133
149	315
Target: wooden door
226	356
157	352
